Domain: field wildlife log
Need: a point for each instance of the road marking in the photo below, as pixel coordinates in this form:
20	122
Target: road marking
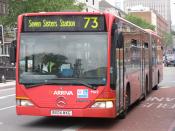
6	89
72	128
166	87
172	127
1	109
7	85
1	123
3	97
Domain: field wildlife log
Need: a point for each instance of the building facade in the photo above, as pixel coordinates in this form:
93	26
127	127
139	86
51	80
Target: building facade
91	5
162	7
3	11
101	6
3	7
161	25
119	4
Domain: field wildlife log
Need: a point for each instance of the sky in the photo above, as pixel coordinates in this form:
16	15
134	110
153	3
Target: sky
112	2
173	12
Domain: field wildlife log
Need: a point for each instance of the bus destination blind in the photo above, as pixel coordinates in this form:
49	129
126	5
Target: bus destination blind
79	23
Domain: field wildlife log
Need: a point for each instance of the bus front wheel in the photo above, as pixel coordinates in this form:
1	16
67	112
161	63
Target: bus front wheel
127	103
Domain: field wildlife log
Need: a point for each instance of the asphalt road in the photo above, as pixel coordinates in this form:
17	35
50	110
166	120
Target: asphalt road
156	113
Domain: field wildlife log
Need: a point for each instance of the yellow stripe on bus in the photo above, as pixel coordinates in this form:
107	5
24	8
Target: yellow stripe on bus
109	99
22	97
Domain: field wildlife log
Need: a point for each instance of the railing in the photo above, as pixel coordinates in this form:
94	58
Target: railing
7	70
7	73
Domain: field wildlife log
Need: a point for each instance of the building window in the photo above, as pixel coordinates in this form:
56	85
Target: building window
3	8
0	8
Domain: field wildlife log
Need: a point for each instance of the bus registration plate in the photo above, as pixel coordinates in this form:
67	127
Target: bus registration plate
61	113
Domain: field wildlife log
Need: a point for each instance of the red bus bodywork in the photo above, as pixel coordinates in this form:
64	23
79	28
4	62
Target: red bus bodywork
64	99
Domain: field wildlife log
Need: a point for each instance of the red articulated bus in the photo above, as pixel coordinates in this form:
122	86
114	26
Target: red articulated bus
77	64
156	59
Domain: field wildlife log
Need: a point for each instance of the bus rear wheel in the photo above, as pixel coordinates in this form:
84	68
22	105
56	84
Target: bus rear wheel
146	90
157	86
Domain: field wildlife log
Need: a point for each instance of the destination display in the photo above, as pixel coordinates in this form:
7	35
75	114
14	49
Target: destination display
66	23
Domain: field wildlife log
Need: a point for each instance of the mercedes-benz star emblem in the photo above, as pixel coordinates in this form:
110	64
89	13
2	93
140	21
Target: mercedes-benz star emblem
61	101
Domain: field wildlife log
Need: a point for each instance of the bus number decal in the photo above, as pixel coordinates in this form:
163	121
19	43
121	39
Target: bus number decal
94	21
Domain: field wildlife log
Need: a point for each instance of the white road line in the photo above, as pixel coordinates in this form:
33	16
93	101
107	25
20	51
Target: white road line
172	127
7	89
1	109
72	128
166	87
3	97
7	86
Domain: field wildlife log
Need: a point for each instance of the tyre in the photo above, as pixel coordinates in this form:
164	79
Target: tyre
127	103
146	90
157	87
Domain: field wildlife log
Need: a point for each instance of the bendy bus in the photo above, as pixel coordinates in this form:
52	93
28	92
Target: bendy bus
77	64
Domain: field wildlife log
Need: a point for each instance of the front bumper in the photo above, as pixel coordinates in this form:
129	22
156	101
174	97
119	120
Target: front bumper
87	112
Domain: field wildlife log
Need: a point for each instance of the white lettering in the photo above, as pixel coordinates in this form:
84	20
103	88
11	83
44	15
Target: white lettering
94	91
161	99
148	105
170	99
161	105
68	93
173	106
155	99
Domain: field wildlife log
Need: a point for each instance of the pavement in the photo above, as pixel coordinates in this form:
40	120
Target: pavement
8	84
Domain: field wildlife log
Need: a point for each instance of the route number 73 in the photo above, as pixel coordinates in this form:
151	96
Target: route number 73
94	24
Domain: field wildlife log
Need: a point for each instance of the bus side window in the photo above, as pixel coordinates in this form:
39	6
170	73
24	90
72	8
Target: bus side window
134	54
145	45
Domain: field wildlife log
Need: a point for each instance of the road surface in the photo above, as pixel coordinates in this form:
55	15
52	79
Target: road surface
156	113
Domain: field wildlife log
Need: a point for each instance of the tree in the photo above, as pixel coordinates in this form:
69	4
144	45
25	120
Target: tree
139	22
167	41
173	32
17	7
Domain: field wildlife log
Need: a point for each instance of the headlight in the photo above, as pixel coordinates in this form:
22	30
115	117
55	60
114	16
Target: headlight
24	103
109	104
104	104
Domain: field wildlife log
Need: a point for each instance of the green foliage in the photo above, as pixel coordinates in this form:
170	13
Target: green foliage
17	7
139	22
173	32
167	40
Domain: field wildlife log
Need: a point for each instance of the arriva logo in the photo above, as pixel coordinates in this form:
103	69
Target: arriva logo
68	93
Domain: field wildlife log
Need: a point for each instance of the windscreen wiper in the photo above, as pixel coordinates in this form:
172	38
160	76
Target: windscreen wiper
74	81
85	84
29	85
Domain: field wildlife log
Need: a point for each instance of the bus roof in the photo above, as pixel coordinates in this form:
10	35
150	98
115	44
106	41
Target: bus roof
61	13
152	32
86	13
